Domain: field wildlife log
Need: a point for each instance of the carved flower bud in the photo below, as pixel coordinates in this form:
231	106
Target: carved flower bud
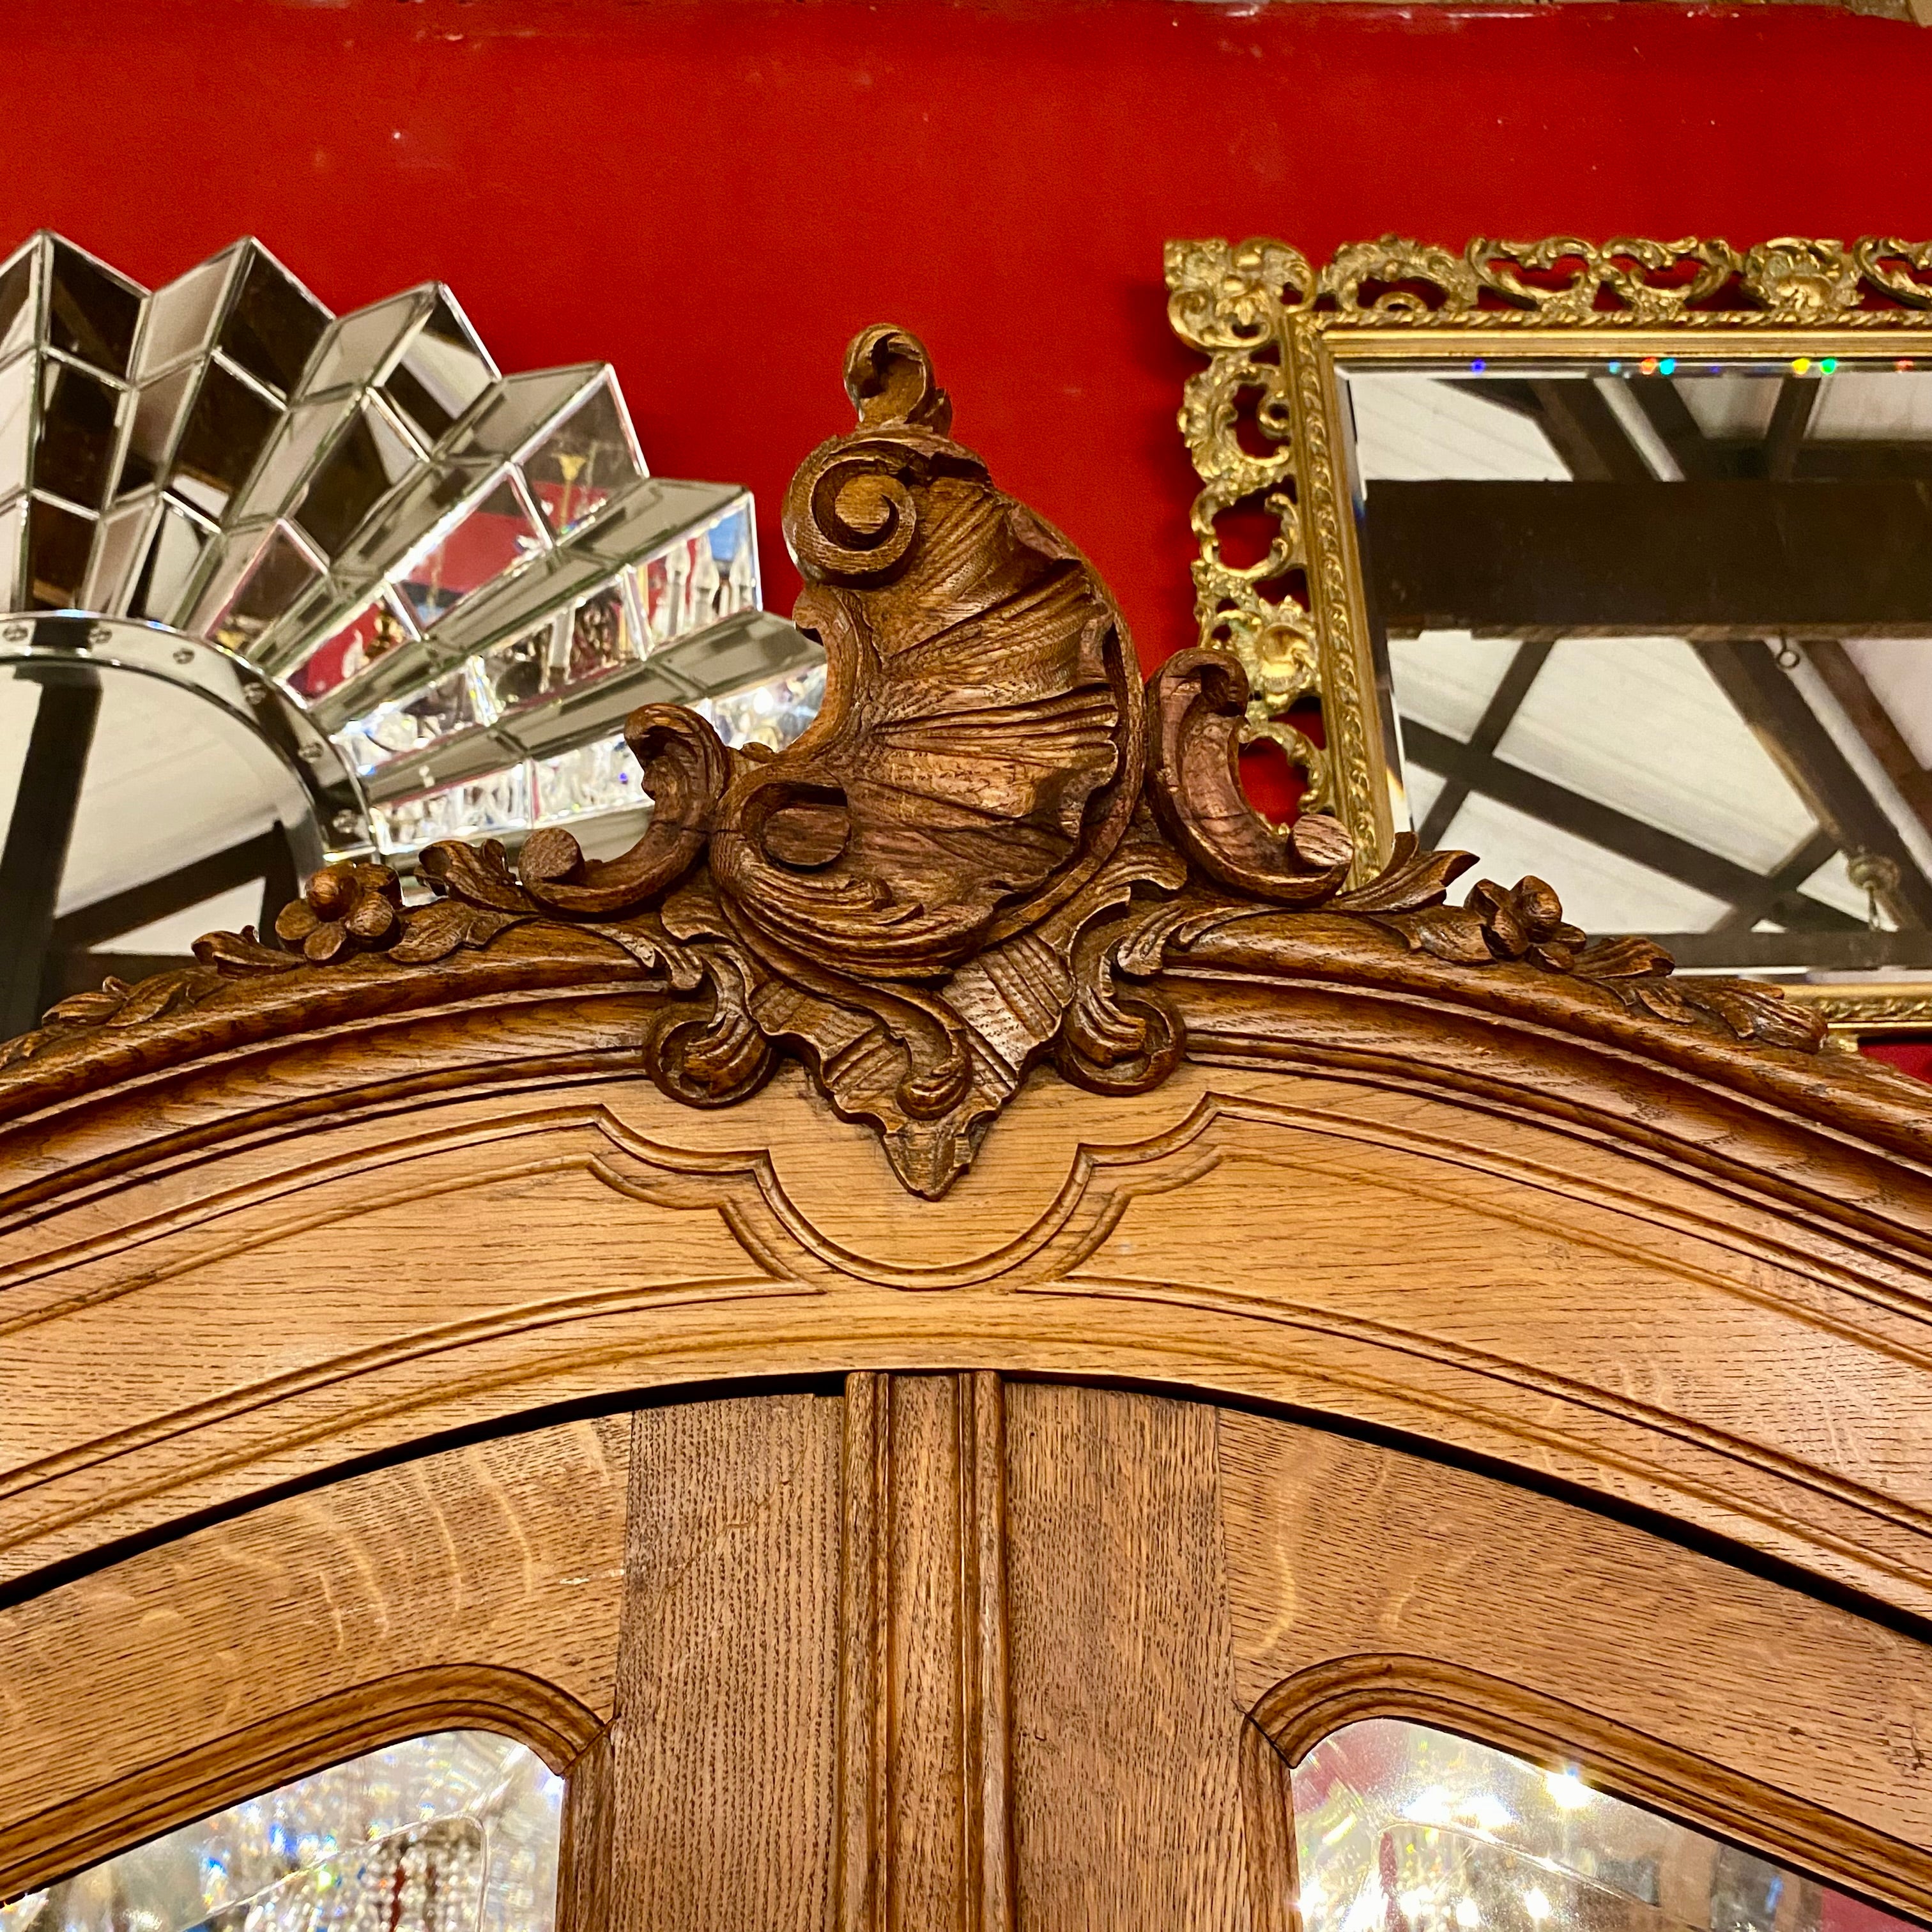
345	908
1525	921
331	892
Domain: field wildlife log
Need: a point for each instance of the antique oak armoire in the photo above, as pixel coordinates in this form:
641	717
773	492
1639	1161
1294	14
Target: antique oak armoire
926	1335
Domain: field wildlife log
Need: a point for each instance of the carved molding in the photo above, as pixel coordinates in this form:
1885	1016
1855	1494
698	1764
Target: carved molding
192	1782
924	1718
981	854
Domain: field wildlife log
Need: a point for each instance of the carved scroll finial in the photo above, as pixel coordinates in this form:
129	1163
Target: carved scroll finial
1197	709
889	376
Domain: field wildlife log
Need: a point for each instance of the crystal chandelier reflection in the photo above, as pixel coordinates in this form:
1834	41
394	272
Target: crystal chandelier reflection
1399	1824
454	1832
461	580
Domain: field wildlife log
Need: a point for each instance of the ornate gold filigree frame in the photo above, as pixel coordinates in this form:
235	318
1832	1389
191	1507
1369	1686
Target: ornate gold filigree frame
1279	331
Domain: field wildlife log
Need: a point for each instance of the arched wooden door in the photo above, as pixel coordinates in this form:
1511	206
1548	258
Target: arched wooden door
670	1314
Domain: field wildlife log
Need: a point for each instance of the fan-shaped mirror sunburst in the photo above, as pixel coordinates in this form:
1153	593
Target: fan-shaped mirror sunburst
434	590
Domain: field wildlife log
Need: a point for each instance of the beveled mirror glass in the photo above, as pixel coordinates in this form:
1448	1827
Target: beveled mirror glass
1399	1824
1611	564
457	1832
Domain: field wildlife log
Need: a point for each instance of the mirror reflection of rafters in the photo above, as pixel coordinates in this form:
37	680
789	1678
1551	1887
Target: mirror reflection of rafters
1663	632
279	587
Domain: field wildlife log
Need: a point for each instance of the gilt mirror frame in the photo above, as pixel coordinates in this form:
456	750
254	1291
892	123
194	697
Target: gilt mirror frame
1278	332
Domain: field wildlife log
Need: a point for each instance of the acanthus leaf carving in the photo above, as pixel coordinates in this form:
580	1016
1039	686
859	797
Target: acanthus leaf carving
983	852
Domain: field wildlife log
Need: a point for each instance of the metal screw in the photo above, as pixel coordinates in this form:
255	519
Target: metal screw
183	655
100	634
346	823
16	634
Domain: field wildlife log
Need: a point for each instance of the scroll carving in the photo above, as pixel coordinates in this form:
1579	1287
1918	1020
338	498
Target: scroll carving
982	853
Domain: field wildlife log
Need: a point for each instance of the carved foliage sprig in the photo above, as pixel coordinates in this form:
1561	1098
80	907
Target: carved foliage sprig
220	960
1195	702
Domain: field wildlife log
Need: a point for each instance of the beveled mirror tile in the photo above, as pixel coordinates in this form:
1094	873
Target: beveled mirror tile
158	409
175	546
182	317
278	573
17	386
494	538
367	457
118	543
514	413
16	300
356	349
373	633
59	541
296	445
443	371
273	323
74	454
227	427
590	456
92	313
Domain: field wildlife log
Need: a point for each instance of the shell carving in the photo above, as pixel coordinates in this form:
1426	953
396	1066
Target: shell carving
976	760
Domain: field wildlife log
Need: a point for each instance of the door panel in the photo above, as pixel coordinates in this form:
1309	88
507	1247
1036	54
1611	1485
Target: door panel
1366	1580
451	1832
1126	1716
913	1652
481	1586
1396	1820
722	1763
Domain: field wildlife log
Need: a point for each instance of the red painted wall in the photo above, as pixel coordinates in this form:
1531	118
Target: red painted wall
716	194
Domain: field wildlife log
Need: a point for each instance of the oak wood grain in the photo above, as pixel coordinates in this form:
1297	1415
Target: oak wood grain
1365	1580
1126	1726
723	1764
481	1585
586	1864
207	1329
924	1832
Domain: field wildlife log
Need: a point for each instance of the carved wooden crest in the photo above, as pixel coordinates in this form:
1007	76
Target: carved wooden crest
981	854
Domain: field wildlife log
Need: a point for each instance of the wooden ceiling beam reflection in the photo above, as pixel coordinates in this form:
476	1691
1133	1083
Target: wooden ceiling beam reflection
1498	715
1648	558
1790	417
1847	684
1584	430
1600	824
45	805
264	856
1669	414
1810	757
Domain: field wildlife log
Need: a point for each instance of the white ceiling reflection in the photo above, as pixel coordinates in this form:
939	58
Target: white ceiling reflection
1642	773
